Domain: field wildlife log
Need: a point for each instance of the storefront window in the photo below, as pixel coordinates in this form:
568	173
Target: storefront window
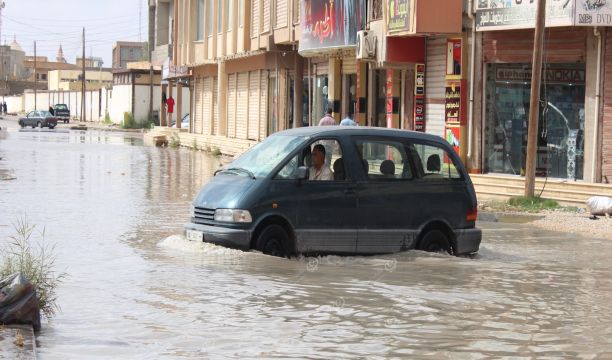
560	150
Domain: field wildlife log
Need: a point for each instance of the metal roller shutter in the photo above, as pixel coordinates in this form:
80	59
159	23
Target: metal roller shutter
263	106
562	45
207	95
281	13
435	82
198	116
231	106
349	66
322	67
215	106
242	105
253	117
267	8
254	18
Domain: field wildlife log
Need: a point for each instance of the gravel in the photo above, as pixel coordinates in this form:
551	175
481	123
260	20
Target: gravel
577	222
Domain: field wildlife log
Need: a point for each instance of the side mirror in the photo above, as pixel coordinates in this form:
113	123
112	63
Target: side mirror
302	173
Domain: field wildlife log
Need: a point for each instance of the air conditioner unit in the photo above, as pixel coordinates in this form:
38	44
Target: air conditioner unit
366	45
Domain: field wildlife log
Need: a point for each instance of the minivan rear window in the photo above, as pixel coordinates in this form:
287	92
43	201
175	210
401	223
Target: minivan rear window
434	163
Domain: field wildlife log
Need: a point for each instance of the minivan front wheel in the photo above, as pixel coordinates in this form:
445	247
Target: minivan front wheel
435	241
272	241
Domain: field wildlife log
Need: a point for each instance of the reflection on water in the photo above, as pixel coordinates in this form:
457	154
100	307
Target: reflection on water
138	289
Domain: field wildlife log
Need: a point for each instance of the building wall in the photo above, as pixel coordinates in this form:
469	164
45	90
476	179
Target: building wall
93	78
120	102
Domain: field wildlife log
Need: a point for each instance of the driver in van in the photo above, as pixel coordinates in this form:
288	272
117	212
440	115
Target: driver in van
319	169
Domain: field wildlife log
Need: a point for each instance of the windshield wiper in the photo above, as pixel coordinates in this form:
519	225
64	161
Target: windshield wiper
237	169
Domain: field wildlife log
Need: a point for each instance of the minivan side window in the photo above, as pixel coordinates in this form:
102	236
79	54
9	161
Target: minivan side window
333	160
434	163
384	159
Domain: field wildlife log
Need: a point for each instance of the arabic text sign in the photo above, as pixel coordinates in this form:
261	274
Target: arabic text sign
520	14
329	24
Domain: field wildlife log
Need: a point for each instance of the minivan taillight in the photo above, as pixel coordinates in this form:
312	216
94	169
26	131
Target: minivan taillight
472	214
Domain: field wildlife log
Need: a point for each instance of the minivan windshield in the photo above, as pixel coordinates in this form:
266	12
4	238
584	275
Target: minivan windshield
265	156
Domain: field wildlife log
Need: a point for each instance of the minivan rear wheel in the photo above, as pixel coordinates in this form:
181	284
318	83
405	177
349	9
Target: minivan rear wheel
272	241
435	241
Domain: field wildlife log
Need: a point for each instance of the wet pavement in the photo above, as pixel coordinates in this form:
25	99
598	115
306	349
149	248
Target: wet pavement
137	290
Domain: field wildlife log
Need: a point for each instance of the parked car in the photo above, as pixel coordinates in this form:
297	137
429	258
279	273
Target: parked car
62	113
184	122
38	119
391	190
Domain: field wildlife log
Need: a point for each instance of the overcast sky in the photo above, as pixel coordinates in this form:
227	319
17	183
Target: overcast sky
51	22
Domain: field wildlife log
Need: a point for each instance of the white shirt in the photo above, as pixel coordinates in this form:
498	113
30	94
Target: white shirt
323	174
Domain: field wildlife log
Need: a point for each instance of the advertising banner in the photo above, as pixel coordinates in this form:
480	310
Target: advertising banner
398	16
329	24
520	14
593	13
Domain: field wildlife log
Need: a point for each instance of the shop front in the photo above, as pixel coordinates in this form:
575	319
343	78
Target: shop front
560	150
569	107
328	38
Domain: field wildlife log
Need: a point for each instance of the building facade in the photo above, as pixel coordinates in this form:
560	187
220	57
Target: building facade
71	79
127	51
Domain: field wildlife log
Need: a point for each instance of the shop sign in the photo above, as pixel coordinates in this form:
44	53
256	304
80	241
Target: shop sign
419	113
419	79
419	98
557	76
521	14
171	71
593	13
398	16
329	24
452	108
453	58
452	137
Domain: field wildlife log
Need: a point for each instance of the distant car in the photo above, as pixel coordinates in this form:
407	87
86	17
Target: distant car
38	119
184	122
61	112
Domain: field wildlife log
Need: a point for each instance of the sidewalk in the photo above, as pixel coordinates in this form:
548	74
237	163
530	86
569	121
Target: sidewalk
17	342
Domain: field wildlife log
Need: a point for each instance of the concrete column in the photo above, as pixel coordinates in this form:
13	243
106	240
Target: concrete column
179	105
591	113
222	98
334	88
162	109
393	98
298	89
362	92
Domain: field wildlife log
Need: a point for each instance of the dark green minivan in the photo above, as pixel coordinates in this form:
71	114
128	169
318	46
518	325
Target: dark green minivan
382	191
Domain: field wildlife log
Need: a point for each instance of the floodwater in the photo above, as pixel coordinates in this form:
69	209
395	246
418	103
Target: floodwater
137	290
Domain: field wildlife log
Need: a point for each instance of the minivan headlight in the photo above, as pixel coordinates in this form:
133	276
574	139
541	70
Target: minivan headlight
233	215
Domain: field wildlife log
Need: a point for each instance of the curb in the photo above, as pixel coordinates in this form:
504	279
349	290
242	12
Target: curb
17	342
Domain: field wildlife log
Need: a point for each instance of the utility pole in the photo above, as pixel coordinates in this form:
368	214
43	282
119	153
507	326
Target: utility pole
83	81
534	102
35	77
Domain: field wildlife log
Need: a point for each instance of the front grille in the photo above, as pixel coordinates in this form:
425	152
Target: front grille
204	216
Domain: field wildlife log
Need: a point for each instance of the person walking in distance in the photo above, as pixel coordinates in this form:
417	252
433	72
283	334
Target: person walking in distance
170	106
328	119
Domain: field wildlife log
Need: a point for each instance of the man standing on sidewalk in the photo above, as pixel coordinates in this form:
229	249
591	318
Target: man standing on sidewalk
170	105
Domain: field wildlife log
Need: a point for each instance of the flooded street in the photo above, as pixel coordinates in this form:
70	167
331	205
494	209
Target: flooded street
137	290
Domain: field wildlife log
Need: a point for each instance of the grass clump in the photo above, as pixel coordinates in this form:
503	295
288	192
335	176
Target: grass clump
107	119
35	260
533	204
174	141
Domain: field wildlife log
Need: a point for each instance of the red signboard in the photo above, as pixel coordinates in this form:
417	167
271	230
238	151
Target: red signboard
329	24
